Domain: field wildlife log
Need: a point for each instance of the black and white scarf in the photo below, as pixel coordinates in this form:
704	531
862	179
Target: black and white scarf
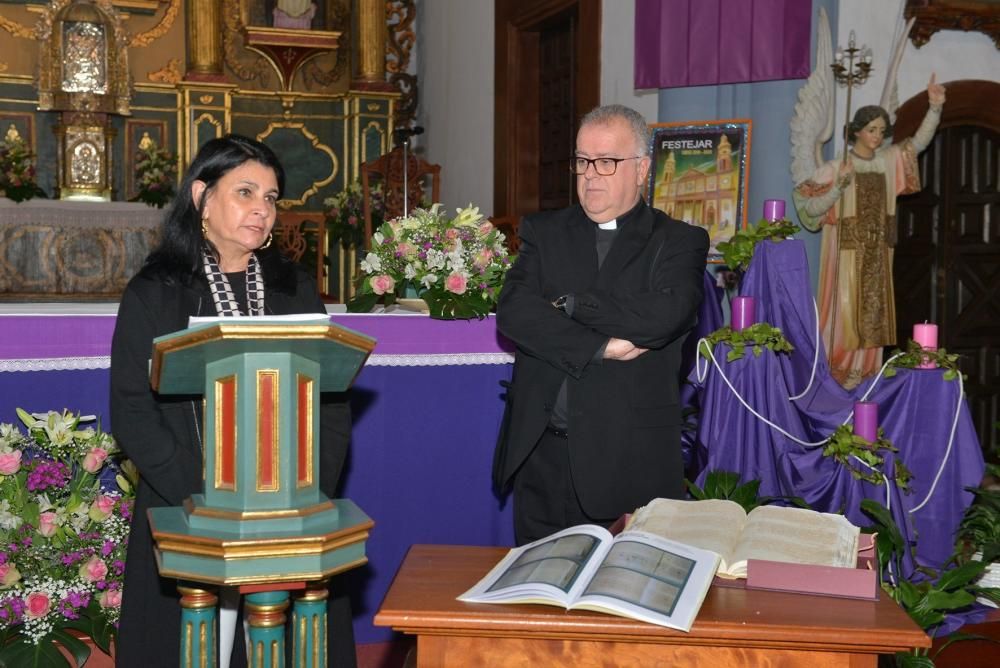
222	292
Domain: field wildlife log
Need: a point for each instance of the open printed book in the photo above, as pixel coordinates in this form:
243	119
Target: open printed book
772	533
634	574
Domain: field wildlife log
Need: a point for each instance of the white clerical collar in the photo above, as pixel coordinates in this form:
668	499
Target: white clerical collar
610	225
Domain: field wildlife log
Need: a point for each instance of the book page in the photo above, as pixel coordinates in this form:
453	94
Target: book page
545	571
712	524
796	535
307	318
651	578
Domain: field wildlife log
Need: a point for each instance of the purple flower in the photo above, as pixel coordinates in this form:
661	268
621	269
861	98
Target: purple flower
47	474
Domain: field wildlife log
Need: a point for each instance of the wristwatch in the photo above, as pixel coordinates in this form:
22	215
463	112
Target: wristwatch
560	303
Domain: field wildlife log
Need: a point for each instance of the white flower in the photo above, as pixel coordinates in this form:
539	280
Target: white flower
378	238
409	271
8	520
435	259
468	217
371	264
429	280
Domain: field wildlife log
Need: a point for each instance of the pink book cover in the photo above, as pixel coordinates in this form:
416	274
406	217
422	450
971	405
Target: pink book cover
859	582
811	579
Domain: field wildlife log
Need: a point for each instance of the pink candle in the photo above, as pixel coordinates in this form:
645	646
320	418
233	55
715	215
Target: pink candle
866	420
742	312
926	334
774	209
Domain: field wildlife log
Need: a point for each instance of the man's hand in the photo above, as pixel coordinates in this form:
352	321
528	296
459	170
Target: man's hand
622	350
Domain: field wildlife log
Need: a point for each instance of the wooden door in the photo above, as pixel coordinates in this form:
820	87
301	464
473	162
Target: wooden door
547	76
947	266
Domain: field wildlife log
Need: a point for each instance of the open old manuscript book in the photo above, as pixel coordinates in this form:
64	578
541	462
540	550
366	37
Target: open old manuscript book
772	533
633	575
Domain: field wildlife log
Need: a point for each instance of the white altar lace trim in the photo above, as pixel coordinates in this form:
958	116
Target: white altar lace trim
104	361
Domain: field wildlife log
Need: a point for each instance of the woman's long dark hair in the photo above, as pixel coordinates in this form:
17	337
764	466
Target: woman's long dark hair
178	254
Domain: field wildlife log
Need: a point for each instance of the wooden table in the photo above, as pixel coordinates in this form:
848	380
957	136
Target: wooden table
736	626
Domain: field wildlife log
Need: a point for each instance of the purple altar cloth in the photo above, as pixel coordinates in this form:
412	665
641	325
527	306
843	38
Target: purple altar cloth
916	409
39	337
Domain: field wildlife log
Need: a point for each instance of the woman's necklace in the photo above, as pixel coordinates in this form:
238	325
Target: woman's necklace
861	157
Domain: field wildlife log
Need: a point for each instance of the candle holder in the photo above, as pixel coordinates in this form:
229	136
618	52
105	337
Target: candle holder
851	67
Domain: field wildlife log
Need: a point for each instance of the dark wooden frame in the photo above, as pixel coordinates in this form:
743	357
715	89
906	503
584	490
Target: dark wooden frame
516	128
968	15
133	135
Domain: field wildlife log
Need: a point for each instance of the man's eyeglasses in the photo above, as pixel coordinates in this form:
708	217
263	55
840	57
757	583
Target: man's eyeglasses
603	166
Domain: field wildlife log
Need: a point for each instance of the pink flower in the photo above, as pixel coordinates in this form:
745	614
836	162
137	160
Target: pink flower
37	604
455	283
101	508
93	569
112	598
10	462
94	460
47	524
382	284
8	575
482	258
352	221
451	233
485	229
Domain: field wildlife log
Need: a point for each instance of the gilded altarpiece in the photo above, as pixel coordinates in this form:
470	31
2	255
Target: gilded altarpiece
195	75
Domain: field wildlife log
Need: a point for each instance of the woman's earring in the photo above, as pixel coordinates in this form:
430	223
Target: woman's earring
270	238
204	227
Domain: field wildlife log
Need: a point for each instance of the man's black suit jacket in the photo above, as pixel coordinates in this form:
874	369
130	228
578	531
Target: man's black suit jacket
623	417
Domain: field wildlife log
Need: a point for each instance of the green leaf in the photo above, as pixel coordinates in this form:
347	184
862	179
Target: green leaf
20	653
961	576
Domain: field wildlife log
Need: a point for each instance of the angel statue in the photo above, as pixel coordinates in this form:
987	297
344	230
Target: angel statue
852	199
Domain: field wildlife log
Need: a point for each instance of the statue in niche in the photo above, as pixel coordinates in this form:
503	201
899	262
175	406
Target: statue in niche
295	14
84	57
85	166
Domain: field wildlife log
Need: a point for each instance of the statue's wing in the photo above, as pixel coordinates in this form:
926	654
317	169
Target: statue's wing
812	124
890	92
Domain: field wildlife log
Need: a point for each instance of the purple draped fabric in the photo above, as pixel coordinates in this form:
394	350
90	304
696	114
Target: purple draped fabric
916	409
709	42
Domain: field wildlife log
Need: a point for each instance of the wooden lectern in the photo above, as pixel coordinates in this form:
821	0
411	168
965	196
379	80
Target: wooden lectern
262	523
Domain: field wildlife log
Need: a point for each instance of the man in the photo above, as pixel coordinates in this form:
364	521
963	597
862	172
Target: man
598	302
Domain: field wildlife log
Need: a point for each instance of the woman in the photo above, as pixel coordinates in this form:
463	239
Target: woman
215	258
854	200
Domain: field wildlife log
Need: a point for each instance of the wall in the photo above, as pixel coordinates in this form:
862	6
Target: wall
455	104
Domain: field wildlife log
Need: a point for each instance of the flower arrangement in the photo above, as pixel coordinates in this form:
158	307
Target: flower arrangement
155	171
17	170
457	265
65	509
345	214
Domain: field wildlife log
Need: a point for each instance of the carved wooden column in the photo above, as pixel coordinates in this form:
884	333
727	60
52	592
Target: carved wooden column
204	37
370	74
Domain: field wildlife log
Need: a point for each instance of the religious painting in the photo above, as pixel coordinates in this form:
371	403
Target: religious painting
700	173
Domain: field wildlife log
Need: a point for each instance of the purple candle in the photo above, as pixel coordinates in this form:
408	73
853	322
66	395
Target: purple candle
743	312
866	420
774	209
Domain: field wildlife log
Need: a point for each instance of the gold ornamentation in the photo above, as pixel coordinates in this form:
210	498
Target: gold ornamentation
169	74
12	134
16	29
258	68
401	14
4	66
160	29
206	99
83	64
270	238
314	140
